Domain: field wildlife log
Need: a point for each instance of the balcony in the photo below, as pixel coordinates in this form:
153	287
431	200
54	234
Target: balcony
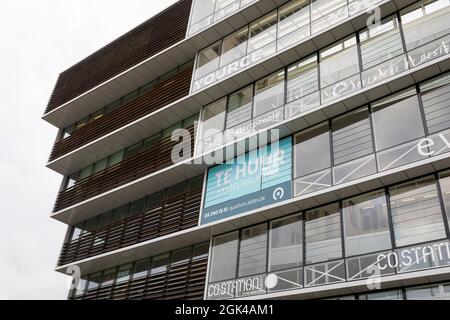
177	213
151	65
192	104
185	280
155	158
163	94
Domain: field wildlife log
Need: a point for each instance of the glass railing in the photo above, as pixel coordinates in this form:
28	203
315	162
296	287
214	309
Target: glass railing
207	12
351	65
284	27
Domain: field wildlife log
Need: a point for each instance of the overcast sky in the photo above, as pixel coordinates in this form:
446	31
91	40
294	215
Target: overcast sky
40	39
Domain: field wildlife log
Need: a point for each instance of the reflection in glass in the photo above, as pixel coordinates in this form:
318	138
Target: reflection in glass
223	260
436	103
208	60
386	295
416	212
293	25
253	251
234	46
263	31
323	234
312	150
366	225
286	238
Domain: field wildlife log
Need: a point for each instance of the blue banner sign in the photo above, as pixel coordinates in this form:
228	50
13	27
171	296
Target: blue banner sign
254	180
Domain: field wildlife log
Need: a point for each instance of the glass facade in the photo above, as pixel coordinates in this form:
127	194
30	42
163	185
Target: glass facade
391	229
205	13
346	67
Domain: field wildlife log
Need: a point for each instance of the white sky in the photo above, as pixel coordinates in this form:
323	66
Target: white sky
38	40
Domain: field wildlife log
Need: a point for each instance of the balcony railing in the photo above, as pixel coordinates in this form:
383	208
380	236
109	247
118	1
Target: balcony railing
177	213
184	281
163	94
149	161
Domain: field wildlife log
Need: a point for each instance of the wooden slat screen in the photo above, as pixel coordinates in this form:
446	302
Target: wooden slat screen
144	163
146	40
175	214
185	281
163	94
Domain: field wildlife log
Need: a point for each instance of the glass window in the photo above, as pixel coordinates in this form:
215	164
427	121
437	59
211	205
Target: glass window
234	46
72	180
124	272
323	234
325	13
202	9
167	133
386	295
380	43
105	219
200	251
86	172
293	25
91	224
444	180
424	293
208	60
99	166
416	212
240	107
116	158
131	96
159	264
303	79
213	118
353	151
286	239
156	200
94	281
113	106
224	257
152	142
181	256
397	120
269	93
121	213
436	103
77	231
141	268
352	136
97	115
108	277
338	67
253	251
263	32
147	87
177	190
80	124
138	206
425	22
312	159
366	225
133	150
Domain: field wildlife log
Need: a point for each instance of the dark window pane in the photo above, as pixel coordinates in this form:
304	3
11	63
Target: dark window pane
159	264
141	268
